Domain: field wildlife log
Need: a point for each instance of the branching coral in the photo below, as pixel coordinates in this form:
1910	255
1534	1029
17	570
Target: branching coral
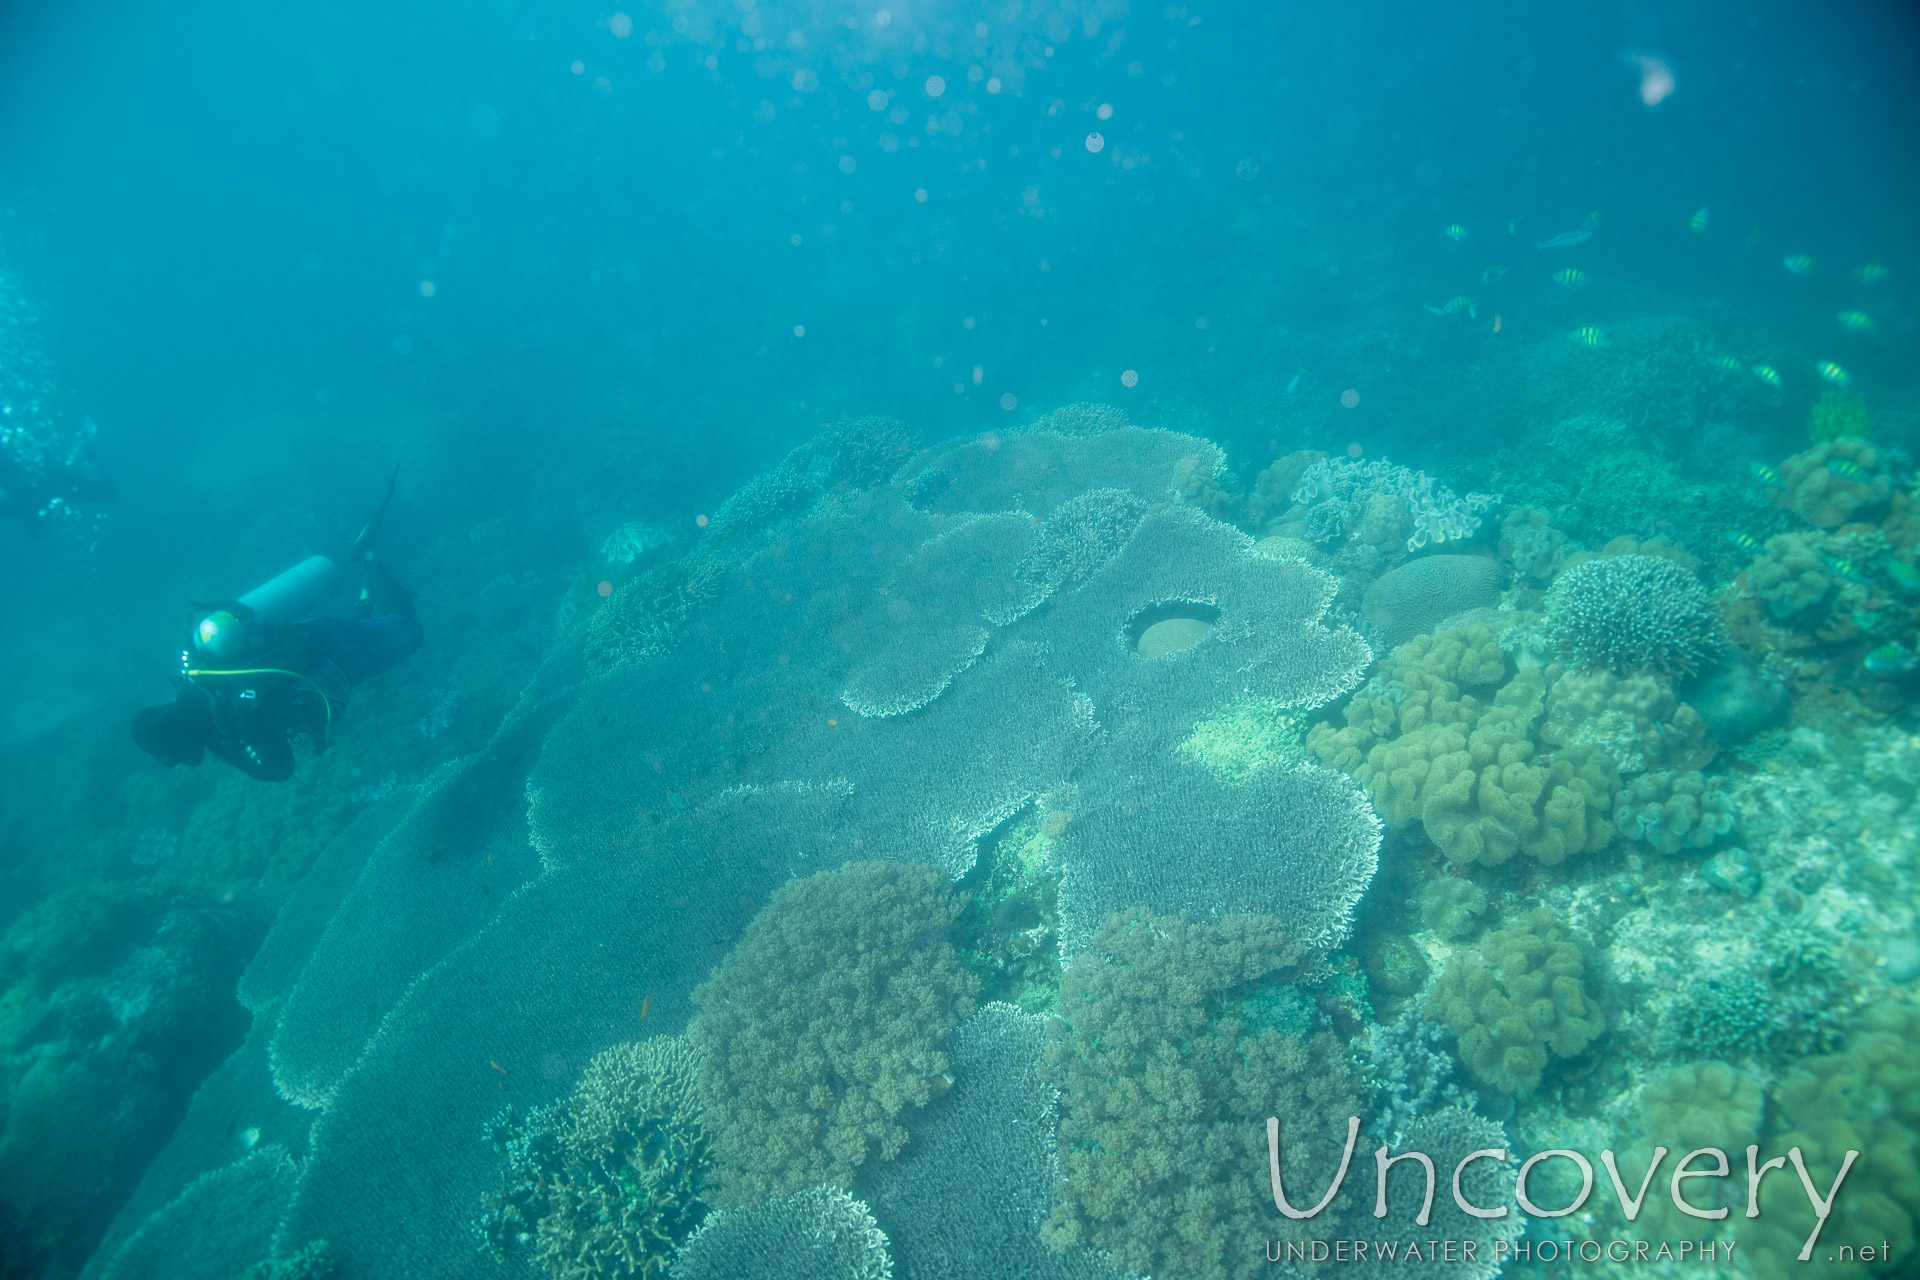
824	1024
1165	1093
857	454
1082	534
1634	613
1517	998
641	619
821	1233
607	1182
1250	732
762	502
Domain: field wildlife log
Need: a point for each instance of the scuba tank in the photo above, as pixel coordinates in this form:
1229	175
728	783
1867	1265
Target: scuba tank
224	633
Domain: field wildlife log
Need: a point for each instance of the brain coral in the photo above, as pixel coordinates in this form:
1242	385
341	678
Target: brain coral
607	1181
1165	1091
1634	613
1517	998
1419	595
1827	484
825	1023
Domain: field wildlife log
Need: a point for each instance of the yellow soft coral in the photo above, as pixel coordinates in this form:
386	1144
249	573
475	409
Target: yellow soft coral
1517	998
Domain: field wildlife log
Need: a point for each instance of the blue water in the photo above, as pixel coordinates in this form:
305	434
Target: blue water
572	267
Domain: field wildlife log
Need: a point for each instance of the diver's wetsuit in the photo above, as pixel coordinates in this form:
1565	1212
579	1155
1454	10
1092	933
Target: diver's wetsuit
296	683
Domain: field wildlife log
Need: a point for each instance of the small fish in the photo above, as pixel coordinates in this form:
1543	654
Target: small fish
1767	374
1872	273
1798	263
1456	306
1766	475
1746	542
646	1006
1844	568
1590	337
1857	320
1455	233
1902	575
247	1139
1570	277
1591	221
1496	324
1513	226
1296	380
1833	373
1699	220
1491	274
1849	470
1890	658
1566	239
1731	364
496	1066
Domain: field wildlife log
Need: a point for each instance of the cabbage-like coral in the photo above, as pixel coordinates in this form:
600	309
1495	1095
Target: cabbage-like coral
1341	494
824	1024
1673	810
1464	766
1530	543
1790	573
1166	1085
1518	998
1634	613
1829	483
1452	907
1636	719
1866	1099
608	1181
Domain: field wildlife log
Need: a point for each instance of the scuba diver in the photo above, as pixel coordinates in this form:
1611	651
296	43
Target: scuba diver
268	668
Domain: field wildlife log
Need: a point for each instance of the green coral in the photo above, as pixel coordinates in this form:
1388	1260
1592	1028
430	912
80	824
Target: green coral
1250	732
1452	907
1166	1085
824	1025
1838	413
1865	1099
609	1181
1634	613
1518	998
1464	766
1672	810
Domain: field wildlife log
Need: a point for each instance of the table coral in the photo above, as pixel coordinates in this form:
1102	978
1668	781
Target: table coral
1165	1090
824	1024
1518	998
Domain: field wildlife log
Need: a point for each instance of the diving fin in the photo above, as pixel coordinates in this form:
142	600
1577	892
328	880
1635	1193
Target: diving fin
363	544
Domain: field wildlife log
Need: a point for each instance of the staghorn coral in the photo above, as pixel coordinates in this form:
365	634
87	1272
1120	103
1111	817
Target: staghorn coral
1634	613
1082	534
1418	596
824	1024
606	1182
1410	1072
1464	767
968	1198
1380	502
820	1233
1831	482
857	454
1081	420
1449	1135
1517	998
1865	1099
762	502
1673	810
1165	1090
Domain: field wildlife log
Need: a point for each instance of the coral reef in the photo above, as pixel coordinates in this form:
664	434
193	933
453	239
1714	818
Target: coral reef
1165	1091
1418	596
1082	534
762	502
607	1181
1532	546
1671	811
824	1024
641	619
1636	719
1634	613
1379	501
1410	1072
1081	420
857	454
1464	767
1835	481
1448	1136
1516	998
1452	907
821	1233
1248	733
1790	574
1865	1099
